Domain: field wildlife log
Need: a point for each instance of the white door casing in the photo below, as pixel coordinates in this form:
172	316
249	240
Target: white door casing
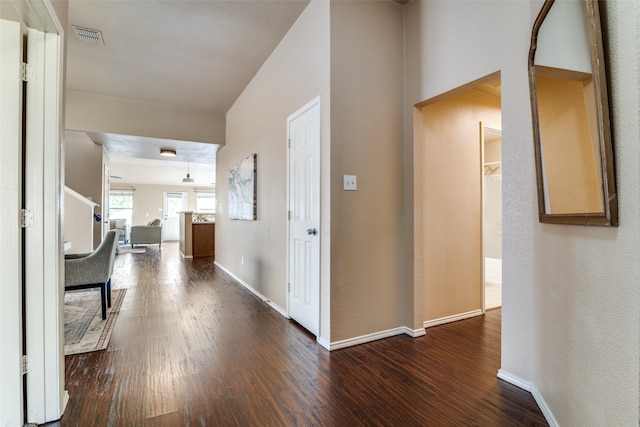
11	408
303	134
491	211
43	292
44	279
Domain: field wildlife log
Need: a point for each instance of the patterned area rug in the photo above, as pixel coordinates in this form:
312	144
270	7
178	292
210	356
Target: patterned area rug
84	329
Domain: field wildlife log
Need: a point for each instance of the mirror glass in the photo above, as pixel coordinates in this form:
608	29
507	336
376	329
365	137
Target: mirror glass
572	135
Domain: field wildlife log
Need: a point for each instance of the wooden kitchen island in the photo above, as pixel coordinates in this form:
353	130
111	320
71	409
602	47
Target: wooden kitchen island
197	235
203	238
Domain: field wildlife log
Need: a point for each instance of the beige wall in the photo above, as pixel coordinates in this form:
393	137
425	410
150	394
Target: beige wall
148	200
452	202
367	251
83	165
571	302
296	72
93	113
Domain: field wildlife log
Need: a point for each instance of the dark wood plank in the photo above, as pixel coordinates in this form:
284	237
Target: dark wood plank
193	347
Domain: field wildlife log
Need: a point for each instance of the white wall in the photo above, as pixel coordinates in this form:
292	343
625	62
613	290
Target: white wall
585	284
83	163
571	299
78	220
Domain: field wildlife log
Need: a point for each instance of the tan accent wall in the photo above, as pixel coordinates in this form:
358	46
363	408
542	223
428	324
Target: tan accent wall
452	202
367	235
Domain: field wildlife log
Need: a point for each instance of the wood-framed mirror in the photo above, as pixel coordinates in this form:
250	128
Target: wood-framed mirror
570	110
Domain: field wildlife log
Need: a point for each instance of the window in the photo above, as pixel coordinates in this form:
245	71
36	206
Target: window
205	202
121	205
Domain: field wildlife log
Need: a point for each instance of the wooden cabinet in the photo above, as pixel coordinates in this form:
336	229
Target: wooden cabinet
203	239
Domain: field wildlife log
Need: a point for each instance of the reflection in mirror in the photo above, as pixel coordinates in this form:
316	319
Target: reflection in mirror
574	157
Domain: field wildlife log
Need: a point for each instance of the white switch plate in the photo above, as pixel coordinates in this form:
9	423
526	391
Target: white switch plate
350	183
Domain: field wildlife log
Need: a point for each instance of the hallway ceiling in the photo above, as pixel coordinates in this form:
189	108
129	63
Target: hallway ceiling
183	53
191	54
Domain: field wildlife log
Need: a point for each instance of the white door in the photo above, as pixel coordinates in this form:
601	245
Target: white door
304	216
174	203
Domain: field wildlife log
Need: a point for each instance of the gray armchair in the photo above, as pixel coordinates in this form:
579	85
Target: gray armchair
146	234
93	270
120	224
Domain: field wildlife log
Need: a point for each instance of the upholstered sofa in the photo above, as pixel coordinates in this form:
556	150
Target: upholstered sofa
146	234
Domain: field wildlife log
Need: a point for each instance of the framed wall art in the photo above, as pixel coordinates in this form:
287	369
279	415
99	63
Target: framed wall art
243	189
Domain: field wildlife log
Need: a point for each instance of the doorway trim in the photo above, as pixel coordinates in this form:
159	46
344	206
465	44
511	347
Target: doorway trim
44	290
11	403
483	130
44	394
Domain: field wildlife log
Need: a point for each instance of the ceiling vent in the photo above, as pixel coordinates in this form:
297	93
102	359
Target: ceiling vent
88	35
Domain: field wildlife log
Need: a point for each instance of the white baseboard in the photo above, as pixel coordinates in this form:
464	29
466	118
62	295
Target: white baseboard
336	345
65	401
415	333
531	388
263	298
324	343
515	380
454	318
277	308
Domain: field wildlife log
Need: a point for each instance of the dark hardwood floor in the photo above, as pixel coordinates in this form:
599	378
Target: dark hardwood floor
192	347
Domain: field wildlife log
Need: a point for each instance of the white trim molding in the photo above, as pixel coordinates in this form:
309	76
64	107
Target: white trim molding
324	343
363	339
251	289
415	333
531	388
454	318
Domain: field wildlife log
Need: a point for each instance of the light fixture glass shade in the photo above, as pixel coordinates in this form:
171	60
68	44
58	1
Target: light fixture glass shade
167	152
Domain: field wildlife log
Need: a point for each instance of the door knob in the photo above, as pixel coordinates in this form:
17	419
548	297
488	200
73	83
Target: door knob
312	231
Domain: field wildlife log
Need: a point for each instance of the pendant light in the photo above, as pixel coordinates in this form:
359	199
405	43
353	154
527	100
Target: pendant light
188	179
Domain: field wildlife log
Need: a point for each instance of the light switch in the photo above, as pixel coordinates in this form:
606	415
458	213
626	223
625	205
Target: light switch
350	183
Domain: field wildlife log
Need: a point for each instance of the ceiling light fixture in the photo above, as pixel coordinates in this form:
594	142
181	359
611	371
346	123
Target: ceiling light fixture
167	152
188	179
